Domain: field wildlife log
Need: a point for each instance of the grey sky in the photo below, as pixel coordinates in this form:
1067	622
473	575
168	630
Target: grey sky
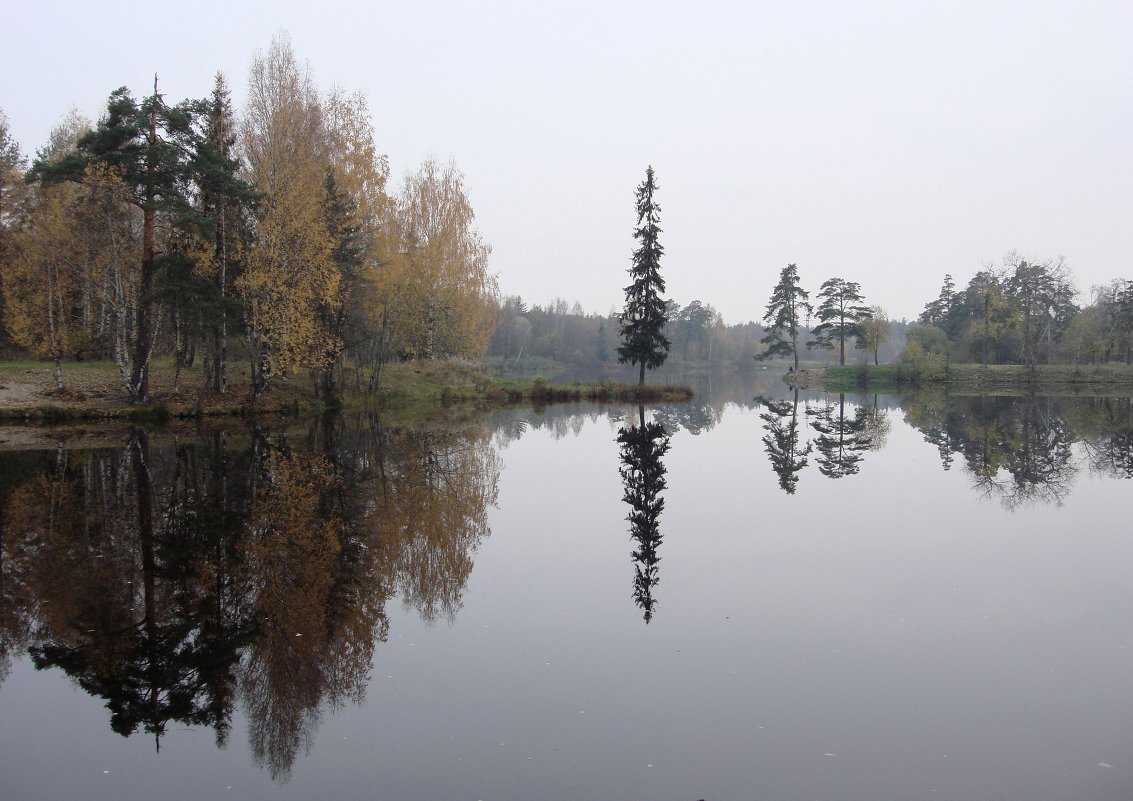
887	143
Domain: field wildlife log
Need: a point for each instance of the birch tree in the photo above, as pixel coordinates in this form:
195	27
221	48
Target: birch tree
290	271
437	295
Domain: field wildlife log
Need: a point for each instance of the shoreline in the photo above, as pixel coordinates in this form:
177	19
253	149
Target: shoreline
410	391
977	379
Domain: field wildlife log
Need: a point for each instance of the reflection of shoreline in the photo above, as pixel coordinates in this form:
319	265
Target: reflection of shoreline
1020	449
254	571
1017	449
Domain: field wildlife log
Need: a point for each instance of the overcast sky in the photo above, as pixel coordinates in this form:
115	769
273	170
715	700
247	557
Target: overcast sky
888	143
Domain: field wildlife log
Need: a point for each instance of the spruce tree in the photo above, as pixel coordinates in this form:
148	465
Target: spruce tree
643	319
784	311
224	204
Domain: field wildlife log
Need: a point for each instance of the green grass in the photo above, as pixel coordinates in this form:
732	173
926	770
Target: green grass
410	391
68	367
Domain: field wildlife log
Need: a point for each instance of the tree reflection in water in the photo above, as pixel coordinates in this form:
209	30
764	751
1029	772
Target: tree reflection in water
643	480
781	441
1017	449
841	440
176	581
1110	443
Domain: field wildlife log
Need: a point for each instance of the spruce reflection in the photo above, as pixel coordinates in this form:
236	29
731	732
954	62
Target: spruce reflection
643	480
782	441
182	581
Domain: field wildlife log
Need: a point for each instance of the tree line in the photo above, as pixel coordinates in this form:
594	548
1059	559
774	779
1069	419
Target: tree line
1021	312
1025	312
565	332
181	229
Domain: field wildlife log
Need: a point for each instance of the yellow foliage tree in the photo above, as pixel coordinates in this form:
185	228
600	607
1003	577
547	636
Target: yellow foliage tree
72	278
290	270
437	296
39	283
359	218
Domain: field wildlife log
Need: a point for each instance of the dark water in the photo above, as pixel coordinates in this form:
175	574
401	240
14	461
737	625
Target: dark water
757	595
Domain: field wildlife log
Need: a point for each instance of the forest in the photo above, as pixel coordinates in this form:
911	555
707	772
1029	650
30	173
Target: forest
201	234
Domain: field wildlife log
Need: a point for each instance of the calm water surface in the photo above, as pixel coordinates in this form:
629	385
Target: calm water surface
756	596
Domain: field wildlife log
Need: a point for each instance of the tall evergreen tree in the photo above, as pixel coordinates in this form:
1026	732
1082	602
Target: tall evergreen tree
224	206
149	145
940	312
841	312
643	319
788	303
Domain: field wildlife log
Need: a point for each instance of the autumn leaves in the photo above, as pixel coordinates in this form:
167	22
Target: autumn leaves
164	230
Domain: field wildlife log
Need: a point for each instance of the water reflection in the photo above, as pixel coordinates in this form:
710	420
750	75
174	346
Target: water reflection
1110	438
643	480
190	578
1017	449
781	441
695	417
841	439
180	579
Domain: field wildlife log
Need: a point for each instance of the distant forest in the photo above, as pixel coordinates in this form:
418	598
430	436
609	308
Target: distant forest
564	332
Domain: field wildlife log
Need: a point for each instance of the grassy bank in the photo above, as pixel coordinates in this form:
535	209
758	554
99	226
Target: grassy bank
410	390
972	378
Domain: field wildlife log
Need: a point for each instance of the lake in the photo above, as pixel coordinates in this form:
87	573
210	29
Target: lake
758	595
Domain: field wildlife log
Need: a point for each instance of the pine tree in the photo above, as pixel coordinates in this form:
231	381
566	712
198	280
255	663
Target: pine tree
841	312
148	145
788	303
940	312
643	319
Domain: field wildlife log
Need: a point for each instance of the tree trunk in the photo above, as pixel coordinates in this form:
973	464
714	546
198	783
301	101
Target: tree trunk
641	376
139	381
221	343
